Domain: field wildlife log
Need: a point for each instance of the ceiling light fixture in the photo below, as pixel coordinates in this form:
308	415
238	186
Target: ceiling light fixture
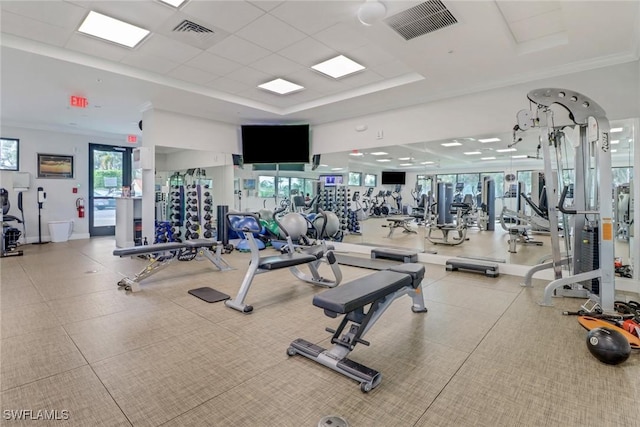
384	160
337	67
487	158
336	169
614	151
615	141
505	150
406	164
371	12
519	156
356	154
615	130
113	30
378	153
281	86
174	3
404	158
471	153
450	144
485	140
427	163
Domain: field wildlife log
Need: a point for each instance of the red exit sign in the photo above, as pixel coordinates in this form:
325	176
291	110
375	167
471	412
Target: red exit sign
132	138
79	101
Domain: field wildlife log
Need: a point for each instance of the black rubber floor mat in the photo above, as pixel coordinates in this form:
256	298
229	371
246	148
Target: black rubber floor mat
209	294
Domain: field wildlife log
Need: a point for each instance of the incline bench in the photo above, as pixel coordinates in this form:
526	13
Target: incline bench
311	256
398	222
376	291
161	254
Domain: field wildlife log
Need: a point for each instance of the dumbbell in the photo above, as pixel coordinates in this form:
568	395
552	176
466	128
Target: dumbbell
208	226
208	234
207	208
208	217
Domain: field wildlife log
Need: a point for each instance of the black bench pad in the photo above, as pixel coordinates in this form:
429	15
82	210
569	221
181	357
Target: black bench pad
283	261
360	292
148	249
200	243
394	254
416	271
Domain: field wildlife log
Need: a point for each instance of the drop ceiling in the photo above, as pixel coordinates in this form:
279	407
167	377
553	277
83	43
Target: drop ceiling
215	76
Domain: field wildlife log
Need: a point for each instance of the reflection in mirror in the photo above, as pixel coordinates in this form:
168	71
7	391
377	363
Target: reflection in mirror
466	163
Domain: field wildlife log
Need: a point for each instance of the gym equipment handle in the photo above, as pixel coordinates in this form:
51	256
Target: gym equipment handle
561	207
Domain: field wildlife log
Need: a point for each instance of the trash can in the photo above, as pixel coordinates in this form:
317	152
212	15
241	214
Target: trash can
60	231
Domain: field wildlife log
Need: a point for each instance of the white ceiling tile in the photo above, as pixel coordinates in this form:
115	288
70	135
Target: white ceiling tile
250	76
239	50
516	10
341	38
149	62
95	47
276	65
33	30
538	26
362	78
227	85
213	64
163	47
392	69
271	33
228	15
266	5
308	52
369	55
59	14
313	16
191	74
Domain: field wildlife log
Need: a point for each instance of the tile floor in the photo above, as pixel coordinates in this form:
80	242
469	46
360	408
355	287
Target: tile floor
484	355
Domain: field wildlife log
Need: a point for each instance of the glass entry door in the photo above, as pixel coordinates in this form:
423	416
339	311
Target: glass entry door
109	170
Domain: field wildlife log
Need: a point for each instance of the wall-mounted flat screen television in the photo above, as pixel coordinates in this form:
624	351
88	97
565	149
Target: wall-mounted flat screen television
392	177
275	143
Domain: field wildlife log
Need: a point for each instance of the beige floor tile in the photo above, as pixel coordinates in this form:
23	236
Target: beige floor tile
16	296
465	294
77	392
23	319
101	303
30	357
89	282
159	382
106	336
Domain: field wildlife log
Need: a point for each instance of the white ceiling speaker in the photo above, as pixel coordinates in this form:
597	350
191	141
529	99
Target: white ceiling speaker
371	11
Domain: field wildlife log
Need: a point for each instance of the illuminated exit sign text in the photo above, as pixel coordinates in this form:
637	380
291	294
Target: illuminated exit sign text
79	102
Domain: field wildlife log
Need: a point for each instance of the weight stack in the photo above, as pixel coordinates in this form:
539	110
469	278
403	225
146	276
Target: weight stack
590	257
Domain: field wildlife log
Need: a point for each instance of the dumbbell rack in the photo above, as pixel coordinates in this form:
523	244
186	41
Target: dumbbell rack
198	210
336	200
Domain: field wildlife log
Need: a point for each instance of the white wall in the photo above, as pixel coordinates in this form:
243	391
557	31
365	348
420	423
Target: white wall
61	201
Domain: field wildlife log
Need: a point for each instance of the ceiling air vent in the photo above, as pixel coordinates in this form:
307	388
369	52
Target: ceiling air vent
187	26
422	19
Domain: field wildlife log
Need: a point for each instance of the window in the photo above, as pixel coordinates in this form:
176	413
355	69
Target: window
283	188
355	178
9	154
498	180
370	180
450	178
622	175
266	186
470	181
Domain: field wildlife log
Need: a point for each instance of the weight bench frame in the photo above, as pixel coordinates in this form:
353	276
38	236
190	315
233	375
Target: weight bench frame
361	321
399	223
162	254
312	257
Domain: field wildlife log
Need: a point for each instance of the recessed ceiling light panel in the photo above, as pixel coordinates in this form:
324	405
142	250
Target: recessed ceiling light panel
506	150
174	3
337	67
383	160
616	130
485	140
471	153
519	156
281	86
487	158
450	144
111	29
615	141
378	153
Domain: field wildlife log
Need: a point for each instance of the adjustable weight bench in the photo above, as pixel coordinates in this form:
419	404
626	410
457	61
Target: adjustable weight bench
374	292
162	254
399	223
311	256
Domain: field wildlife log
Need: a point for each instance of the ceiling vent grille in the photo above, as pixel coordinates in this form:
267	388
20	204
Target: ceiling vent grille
422	19
190	27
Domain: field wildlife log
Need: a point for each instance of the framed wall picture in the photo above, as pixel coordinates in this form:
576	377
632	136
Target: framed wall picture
55	166
9	154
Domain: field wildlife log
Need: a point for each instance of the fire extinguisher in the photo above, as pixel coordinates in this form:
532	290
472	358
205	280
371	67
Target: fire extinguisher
80	207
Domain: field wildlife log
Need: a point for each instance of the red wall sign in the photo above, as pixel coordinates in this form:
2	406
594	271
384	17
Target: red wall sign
132	138
79	101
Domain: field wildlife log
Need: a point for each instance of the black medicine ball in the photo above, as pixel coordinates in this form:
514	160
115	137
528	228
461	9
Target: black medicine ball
608	345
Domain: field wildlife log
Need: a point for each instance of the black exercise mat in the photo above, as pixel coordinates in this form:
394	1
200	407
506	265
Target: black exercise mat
209	294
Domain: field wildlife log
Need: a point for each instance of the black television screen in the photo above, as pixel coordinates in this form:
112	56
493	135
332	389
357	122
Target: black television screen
393	177
275	143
